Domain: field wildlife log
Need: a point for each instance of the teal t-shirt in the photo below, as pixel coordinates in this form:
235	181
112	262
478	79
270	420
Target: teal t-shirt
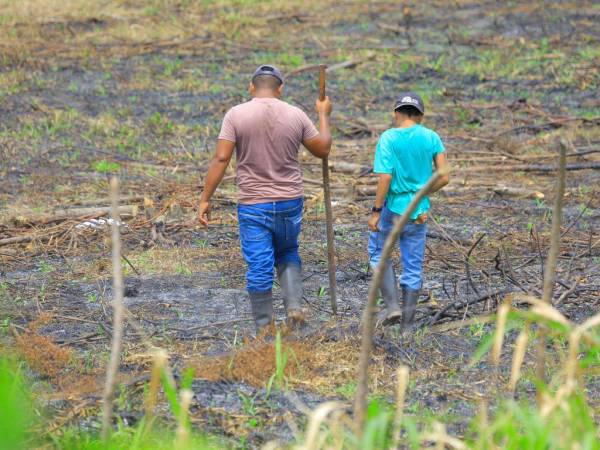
407	154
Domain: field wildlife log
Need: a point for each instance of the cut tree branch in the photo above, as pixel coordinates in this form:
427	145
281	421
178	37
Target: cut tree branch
360	402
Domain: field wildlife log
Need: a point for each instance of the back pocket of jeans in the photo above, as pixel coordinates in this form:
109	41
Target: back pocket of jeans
293	226
252	228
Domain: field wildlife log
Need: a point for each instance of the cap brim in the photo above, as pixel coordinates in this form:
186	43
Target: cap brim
399	105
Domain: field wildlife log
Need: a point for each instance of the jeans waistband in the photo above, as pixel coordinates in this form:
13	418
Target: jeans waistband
278	206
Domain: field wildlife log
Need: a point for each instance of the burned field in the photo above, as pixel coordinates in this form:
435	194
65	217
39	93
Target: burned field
138	89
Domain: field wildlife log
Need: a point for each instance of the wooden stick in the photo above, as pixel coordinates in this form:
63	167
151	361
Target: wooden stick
17	239
73	213
550	271
328	210
117	335
592	165
360	401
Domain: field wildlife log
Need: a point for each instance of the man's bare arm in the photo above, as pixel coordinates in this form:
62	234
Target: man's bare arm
440	162
215	173
320	145
383	186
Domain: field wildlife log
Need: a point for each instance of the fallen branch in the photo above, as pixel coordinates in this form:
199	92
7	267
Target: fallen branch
72	213
17	239
393	28
100	201
350	168
348	64
342	65
356	127
548	125
363	190
450	326
511	191
458	305
528	168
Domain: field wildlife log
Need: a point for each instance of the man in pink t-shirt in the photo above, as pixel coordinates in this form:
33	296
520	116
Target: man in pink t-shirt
266	134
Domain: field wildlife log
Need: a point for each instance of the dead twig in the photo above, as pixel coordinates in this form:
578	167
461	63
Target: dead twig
468	263
459	305
550	272
568	292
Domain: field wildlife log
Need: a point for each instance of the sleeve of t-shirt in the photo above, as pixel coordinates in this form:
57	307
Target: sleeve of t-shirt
383	157
227	128
437	147
309	130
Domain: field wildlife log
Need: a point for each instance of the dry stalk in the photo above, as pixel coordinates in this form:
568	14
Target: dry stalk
402	375
518	357
160	358
483	423
548	312
117	335
182	435
547	402
337	430
500	327
550	272
442	438
574	340
317	418
360	402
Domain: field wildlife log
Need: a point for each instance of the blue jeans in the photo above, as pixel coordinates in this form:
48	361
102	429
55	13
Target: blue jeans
412	247
269	237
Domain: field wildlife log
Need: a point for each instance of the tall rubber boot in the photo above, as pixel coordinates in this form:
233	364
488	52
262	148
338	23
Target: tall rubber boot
389	293
262	309
290	280
409	305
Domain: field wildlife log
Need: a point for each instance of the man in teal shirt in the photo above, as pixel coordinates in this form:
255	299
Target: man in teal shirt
404	160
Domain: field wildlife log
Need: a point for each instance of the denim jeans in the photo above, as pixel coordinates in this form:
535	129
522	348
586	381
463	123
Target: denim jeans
269	237
412	247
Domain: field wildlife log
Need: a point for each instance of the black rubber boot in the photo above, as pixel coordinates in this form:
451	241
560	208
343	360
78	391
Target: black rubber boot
409	305
389	293
262	309
290	280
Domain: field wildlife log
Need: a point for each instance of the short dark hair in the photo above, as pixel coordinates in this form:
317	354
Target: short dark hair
266	82
408	110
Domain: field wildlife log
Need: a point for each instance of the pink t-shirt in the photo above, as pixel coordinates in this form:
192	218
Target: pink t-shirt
267	133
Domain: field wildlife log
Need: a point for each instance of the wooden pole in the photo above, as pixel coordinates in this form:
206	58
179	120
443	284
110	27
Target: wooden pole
328	210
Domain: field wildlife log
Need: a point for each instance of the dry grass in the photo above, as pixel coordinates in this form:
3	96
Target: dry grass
79	28
58	364
310	364
41	353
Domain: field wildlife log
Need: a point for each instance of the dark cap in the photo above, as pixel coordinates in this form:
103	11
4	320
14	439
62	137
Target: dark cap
410	99
267	69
